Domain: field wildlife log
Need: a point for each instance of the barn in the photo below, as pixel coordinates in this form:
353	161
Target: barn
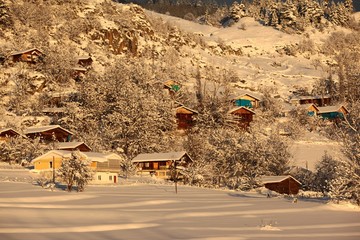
281	184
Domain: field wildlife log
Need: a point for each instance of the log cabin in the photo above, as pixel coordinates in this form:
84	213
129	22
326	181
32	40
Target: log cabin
317	100
32	55
7	133
72	146
161	164
106	166
47	133
185	117
244	99
242	116
84	61
333	113
172	86
281	184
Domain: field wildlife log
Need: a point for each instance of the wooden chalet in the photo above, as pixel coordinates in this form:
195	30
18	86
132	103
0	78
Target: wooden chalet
161	164
317	100
78	72
32	55
332	112
281	184
242	116
105	166
56	99
84	61
185	117
47	133
172	86
245	99
7	133
72	146
311	109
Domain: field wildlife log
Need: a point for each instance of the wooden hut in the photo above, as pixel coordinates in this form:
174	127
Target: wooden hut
71	146
333	112
7	133
242	116
160	164
317	100
312	109
84	61
32	55
185	117
172	86
47	133
245	99
281	184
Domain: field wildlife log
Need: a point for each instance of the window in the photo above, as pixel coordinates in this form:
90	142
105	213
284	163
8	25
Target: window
147	165
51	164
99	177
110	178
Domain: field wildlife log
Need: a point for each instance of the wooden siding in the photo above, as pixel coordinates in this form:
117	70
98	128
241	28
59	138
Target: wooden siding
44	163
60	135
287	186
31	56
184	121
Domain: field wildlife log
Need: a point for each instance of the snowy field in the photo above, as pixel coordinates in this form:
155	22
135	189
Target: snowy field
142	211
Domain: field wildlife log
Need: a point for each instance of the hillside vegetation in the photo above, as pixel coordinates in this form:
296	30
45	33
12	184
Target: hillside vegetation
120	105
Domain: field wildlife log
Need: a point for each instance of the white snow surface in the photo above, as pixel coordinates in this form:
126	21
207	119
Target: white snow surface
153	211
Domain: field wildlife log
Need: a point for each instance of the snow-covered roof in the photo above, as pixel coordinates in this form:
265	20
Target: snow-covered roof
148	157
25	51
53	110
84	58
81	69
276	179
66	145
237	108
39	129
241	93
329	109
309	97
92	156
7	130
188	109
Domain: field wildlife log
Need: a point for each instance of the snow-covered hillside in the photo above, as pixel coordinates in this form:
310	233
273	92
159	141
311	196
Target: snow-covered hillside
119	103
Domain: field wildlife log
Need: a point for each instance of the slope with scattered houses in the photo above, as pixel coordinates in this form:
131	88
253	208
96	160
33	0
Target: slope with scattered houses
253	54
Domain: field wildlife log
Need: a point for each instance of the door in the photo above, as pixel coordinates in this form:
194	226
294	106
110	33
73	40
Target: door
114	179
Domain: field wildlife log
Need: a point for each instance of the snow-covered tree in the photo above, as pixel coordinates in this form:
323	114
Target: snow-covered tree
20	150
75	170
325	173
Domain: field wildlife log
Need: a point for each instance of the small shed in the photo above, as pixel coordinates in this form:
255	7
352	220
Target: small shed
333	112
84	61
32	55
172	86
47	132
71	146
7	133
245	99
78	72
160	164
281	184
311	109
185	117
242	116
